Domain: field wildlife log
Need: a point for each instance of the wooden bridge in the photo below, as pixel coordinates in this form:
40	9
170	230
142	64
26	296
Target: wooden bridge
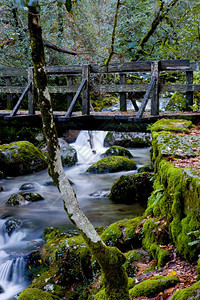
87	77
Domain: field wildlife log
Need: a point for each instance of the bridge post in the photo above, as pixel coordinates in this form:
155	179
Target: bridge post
86	90
69	95
9	96
31	92
189	95
155	93
122	80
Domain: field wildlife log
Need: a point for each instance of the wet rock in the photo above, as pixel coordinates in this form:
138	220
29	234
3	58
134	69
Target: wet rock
112	164
1	290
128	139
23	198
12	225
117	150
1	189
1	175
21	158
132	188
68	154
27	186
147	168
100	194
71	135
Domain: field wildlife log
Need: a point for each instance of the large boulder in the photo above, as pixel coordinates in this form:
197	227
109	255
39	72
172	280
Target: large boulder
127	139
117	150
21	158
112	164
23	198
132	188
68	154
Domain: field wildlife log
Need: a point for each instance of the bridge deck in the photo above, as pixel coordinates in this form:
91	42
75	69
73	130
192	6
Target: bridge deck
116	121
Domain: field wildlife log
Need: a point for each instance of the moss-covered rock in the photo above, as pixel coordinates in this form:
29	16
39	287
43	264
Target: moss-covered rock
23	198
112	164
117	151
35	294
124	139
132	188
21	158
147	168
132	257
68	154
167	125
191	293
153	286
123	234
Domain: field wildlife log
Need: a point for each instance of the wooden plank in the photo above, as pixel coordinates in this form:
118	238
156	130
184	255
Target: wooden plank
70	109
177	64
183	88
119	88
122	96
136	66
73	69
15	109
146	97
62	89
69	95
11	89
13	72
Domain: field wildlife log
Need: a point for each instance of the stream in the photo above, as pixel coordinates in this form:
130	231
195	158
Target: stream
21	227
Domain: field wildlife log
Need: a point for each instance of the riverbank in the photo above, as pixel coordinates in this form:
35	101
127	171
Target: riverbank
164	241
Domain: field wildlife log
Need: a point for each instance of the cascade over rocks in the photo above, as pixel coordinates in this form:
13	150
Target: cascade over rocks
127	139
21	158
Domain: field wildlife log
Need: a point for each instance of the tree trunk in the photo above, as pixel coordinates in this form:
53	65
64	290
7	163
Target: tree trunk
110	259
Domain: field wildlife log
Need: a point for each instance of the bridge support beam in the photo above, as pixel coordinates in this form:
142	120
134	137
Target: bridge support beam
189	95
155	65
86	90
122	95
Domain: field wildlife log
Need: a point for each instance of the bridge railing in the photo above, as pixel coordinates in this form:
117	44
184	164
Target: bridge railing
87	86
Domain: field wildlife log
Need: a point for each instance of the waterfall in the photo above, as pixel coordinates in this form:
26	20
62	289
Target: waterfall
12	264
89	145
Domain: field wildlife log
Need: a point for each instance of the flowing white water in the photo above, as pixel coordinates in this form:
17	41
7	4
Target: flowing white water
91	190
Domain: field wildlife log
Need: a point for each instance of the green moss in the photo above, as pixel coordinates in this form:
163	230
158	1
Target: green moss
190	293
152	287
21	158
112	164
130	188
35	294
101	295
132	257
181	126
117	151
123	235
198	269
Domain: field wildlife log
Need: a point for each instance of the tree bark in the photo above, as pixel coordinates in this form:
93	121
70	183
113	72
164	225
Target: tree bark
111	260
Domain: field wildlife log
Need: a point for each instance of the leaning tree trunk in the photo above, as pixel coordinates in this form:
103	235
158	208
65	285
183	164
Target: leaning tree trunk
110	258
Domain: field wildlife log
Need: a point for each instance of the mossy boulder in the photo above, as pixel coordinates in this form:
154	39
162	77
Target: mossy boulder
178	126
191	293
132	188
132	258
23	198
117	151
123	234
112	164
35	294
153	286
146	168
21	158
127	139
